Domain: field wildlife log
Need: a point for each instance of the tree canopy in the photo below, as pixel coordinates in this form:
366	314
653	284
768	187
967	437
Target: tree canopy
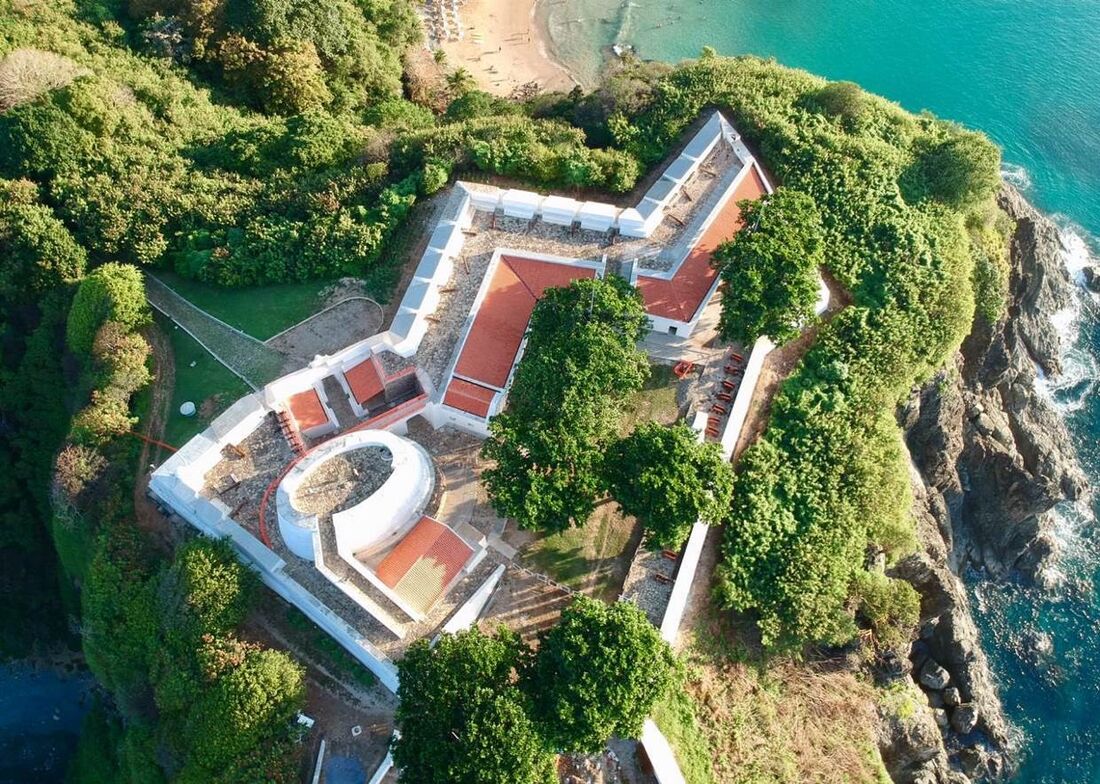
580	363
114	292
597	674
461	716
770	268
669	480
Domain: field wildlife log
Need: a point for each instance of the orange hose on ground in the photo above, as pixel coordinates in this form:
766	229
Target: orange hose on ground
153	441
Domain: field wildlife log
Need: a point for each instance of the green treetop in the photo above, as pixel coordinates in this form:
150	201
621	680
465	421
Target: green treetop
669	480
580	364
770	268
597	674
462	719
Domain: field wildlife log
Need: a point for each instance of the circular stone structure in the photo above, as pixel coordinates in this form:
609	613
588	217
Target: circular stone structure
364	518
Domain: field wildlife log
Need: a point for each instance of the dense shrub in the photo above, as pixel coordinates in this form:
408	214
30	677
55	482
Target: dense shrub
289	55
113	292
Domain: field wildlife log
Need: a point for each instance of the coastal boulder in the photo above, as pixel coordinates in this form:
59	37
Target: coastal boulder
933	676
964	718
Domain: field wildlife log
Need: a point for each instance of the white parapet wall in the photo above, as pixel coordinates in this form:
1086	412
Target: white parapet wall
681	589
735	422
178	484
466	615
665	768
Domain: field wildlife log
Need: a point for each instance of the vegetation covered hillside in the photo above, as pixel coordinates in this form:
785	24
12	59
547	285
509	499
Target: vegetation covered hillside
242	142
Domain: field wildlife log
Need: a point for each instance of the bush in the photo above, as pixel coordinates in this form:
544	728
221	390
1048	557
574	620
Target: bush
247	704
102	420
959	171
122	357
206	592
27	73
38	251
891	607
77	468
843	100
114	292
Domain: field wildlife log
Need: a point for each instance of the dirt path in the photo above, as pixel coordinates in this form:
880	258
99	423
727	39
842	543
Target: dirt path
160	399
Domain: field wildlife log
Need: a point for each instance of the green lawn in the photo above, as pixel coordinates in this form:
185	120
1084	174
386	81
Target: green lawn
675	717
655	401
209	385
593	558
260	311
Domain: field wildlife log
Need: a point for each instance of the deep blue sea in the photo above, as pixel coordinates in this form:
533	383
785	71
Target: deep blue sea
1027	72
41	710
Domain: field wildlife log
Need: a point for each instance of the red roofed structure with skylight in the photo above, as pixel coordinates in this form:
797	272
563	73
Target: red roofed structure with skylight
308	412
364	381
421	567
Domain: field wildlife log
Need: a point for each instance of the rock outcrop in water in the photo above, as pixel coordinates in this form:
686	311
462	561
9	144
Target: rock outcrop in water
990	459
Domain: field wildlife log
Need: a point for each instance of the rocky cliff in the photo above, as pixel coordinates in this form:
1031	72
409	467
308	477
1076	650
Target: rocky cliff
990	458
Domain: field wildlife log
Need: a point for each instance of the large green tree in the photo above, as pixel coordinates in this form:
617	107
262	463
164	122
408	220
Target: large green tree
580	363
770	268
669	480
597	674
461	717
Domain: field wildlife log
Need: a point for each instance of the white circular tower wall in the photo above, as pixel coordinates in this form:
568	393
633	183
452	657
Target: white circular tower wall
378	520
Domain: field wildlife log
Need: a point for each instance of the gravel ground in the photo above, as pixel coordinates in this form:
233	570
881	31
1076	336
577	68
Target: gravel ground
644	588
343	481
328	331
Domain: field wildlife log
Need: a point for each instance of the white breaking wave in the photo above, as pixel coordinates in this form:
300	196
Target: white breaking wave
1080	366
1017	175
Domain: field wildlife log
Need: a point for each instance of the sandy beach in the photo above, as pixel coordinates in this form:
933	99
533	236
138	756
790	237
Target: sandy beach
503	48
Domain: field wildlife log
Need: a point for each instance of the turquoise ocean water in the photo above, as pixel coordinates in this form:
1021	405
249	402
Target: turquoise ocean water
1027	72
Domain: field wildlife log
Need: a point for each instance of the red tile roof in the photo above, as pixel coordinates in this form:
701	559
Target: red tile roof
679	299
471	398
307	410
431	555
364	381
495	337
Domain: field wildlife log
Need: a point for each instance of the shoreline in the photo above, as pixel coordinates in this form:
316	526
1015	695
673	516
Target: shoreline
505	47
